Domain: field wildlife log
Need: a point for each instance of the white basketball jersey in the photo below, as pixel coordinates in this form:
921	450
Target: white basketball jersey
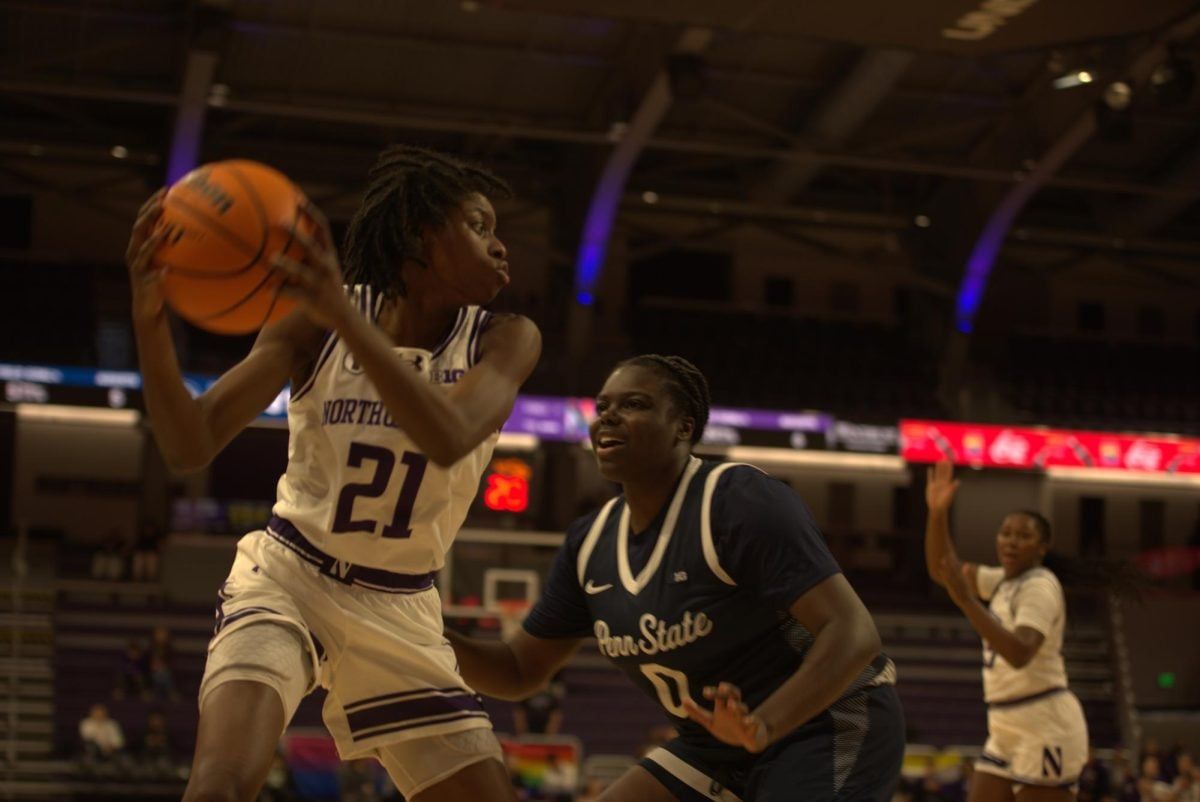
357	486
1034	599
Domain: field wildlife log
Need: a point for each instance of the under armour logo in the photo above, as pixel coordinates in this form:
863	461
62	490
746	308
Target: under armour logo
417	361
679	576
351	364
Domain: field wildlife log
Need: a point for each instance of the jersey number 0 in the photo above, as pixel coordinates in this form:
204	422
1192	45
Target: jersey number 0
385	464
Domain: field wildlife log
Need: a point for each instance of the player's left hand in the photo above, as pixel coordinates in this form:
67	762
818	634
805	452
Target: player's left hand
730	721
955	579
315	279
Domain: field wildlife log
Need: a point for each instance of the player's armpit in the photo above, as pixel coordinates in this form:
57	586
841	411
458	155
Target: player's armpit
242	393
485	395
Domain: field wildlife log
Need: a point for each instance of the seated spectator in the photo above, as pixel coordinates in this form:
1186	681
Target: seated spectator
1187	781
1149	785
101	740
108	562
1094	781
133	674
541	714
158	760
145	553
161	677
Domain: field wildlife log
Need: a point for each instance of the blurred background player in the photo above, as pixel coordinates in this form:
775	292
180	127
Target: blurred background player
1037	735
400	383
710	578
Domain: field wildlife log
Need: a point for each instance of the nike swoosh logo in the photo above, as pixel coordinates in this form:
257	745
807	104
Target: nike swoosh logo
592	588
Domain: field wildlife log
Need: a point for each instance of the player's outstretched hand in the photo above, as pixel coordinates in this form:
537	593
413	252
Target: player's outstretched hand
940	486
730	721
145	277
315	279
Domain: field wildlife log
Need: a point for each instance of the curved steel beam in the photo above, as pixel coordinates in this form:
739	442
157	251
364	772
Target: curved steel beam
991	239
606	197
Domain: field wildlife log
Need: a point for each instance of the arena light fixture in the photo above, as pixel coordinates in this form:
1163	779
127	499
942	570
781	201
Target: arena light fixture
83	416
1073	79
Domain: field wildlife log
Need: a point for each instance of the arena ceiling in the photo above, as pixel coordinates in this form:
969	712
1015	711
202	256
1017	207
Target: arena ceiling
804	116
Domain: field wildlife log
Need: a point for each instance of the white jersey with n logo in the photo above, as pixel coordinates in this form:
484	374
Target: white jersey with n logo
1034	599
358	487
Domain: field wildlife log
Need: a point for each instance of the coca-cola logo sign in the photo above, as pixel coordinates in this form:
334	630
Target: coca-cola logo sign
985	446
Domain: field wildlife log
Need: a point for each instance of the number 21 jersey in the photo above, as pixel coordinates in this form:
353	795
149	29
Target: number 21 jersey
357	486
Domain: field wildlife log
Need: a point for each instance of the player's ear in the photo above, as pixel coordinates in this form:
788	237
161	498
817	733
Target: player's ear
684	430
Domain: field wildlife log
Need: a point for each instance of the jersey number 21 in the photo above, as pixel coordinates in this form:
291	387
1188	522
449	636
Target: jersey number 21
385	464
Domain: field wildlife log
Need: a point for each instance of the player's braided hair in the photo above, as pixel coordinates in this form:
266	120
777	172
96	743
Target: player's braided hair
409	189
685	383
1040	523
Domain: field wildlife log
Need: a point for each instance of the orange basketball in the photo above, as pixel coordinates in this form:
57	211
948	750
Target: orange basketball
225	223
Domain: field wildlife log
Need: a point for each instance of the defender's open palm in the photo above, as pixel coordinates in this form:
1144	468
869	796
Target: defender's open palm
730	721
940	486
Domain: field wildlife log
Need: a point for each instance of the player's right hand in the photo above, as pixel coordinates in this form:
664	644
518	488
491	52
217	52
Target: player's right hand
145	277
940	486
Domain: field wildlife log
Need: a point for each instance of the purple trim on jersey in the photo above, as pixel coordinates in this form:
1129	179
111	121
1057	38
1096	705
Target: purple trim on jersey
408	711
224	621
458	324
326	349
477	337
1024	700
286	533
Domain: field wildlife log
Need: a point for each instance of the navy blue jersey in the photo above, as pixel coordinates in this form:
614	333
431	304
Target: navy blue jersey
702	596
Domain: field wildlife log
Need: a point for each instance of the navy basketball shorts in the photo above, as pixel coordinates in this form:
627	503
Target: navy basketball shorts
850	753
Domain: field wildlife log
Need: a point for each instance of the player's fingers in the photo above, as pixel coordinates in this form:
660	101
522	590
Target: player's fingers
709	692
729	689
294	271
143	258
697	713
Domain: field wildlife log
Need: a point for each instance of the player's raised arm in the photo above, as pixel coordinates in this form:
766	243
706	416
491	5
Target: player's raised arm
940	488
190	431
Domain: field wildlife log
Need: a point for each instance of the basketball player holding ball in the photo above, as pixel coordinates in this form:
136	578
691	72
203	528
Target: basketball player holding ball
400	383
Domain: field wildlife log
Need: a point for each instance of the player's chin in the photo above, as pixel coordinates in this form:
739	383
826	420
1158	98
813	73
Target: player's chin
612	467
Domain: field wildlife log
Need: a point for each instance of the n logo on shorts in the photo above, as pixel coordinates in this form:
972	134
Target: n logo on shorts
1052	761
341	569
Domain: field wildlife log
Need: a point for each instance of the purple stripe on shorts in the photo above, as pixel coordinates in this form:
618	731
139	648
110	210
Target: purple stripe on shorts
392	697
407	710
429	722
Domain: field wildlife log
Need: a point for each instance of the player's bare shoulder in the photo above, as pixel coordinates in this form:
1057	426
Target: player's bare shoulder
296	340
512	338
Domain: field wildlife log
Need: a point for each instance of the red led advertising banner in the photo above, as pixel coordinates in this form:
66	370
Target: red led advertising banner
983	446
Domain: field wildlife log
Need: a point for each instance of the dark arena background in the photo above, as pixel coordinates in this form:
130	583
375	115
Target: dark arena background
888	233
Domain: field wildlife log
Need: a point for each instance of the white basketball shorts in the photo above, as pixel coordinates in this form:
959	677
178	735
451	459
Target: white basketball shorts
390	672
1038	740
